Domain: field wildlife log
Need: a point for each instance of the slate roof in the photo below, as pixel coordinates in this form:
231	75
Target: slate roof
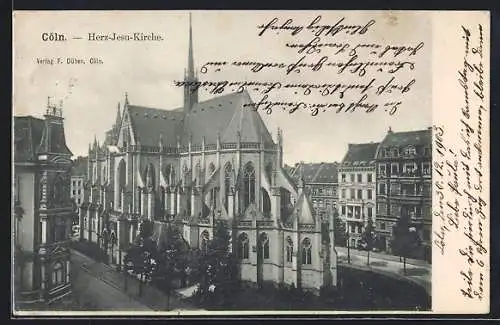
400	139
30	134
224	115
148	123
403	139
316	172
360	154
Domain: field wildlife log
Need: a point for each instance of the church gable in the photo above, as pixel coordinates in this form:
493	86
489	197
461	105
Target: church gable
252	212
303	210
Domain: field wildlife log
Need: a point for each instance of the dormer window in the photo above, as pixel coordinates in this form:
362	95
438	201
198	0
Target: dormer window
410	151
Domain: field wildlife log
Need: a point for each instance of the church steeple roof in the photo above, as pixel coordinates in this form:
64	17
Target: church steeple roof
190	69
190	88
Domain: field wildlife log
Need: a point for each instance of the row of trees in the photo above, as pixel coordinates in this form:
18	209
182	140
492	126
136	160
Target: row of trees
405	240
169	262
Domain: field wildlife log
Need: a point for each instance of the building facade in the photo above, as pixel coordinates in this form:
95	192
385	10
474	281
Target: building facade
357	189
404	183
78	179
43	209
205	162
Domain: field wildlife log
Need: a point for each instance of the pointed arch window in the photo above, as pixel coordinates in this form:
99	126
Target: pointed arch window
227	183
150	176
211	168
122	179
249	185
169	174
264	245
244	248
289	249
205	237
57	274
306	251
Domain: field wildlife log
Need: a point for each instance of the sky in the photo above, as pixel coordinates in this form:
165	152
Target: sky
147	70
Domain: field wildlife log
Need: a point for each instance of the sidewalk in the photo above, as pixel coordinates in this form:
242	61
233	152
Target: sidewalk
382	256
417	273
150	297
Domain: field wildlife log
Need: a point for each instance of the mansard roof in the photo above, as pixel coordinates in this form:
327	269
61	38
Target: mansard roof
403	139
30	135
316	172
359	154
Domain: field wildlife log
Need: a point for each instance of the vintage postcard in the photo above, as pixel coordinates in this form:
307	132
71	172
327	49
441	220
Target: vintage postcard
250	162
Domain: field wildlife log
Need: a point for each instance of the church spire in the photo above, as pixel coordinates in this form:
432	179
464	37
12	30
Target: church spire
190	72
190	79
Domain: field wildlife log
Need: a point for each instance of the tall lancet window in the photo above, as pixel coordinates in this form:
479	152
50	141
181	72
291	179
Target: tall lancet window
249	185
264	245
289	249
243	249
227	183
306	251
150	176
122	179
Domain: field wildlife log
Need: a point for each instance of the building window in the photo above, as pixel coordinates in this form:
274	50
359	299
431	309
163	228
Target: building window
381	169
289	249
382	208
74	183
369	176
79	201
369	194
57	274
360	194
353	193
264	245
249	181
395	152
79	192
381	189
410	151
352	178
342	193
410	168
394	169
360	178
205	236
369	210
74	192
382	225
343	178
244	246
227	183
426	168
343	210
306	251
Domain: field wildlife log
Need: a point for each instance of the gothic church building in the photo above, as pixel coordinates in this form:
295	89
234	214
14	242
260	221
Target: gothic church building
206	162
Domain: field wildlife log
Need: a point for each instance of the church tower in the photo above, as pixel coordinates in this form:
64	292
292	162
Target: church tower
190	79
